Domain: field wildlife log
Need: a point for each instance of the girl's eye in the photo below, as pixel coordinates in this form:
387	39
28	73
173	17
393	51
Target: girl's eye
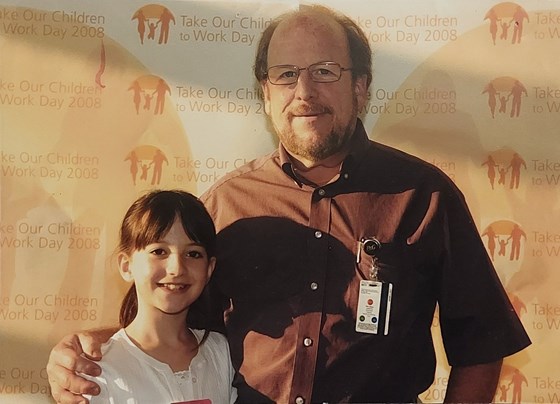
195	254
158	251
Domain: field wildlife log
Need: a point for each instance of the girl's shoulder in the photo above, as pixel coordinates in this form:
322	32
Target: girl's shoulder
117	340
214	344
212	336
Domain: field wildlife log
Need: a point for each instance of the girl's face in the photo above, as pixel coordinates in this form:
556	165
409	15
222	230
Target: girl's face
169	274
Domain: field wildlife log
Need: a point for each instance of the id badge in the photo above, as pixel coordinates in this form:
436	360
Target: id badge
374	307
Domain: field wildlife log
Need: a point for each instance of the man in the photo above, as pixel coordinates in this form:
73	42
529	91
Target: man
334	250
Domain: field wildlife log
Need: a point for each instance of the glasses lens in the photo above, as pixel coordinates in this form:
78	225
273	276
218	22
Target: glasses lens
325	72
283	74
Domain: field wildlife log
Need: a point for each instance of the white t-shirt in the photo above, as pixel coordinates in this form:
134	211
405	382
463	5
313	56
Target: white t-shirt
131	376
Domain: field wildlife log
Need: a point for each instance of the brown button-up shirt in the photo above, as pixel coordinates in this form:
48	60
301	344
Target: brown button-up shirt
288	270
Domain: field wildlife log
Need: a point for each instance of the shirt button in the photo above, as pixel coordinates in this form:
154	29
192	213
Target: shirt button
345	176
307	342
318	234
313	286
321	192
300	400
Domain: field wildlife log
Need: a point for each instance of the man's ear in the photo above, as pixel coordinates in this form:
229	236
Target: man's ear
266	95
124	267
361	90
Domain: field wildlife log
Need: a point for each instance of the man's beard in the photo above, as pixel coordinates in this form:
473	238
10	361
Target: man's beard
330	144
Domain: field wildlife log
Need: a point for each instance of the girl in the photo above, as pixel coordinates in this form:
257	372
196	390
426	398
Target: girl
166	249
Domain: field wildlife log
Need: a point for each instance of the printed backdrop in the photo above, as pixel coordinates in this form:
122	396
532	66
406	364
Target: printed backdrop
103	100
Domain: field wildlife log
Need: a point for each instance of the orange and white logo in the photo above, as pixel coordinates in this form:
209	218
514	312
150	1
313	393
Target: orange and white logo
503	168
153	22
504	96
149	93
506	22
504	239
146	164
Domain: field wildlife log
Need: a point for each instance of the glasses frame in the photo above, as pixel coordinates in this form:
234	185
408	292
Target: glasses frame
298	70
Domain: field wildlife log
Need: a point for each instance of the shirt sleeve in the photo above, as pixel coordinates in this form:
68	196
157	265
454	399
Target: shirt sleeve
478	322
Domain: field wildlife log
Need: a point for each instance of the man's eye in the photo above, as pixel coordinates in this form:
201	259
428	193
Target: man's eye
288	74
323	72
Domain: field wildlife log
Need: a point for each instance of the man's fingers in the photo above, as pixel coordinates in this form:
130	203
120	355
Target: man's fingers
67	391
68	353
70	358
65	397
65	360
61	379
91	347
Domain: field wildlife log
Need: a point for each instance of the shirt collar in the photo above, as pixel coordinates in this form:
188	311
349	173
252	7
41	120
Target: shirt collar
357	149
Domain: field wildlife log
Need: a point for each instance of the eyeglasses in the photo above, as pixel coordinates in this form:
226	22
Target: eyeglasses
322	72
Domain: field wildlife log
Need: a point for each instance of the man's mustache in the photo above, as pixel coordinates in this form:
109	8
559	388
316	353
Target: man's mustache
309	110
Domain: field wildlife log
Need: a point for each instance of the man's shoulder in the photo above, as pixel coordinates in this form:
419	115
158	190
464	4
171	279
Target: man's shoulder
395	163
392	155
254	169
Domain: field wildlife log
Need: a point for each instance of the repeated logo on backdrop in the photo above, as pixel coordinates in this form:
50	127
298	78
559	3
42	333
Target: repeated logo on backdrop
149	94
504	239
503	168
146	164
153	23
506	22
504	96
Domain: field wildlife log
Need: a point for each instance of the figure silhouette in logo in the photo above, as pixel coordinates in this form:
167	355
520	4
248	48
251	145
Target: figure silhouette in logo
515	164
145	167
503	392
516	92
491	170
161	89
491	97
147	101
152	26
518	305
503	104
502	178
134	162
505	27
503	244
137	95
517	379
493	24
165	18
139	15
515	237
491	242
158	160
517	20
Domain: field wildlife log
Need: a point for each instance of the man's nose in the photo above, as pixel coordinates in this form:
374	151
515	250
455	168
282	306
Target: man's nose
305	86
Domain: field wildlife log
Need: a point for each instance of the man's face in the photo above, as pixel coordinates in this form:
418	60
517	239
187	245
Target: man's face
313	120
